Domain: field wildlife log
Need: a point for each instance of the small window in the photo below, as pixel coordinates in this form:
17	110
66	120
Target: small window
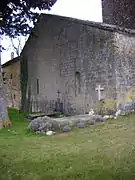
11	76
14	96
37	86
77	83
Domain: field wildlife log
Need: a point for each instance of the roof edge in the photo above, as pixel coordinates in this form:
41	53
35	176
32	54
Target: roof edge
10	62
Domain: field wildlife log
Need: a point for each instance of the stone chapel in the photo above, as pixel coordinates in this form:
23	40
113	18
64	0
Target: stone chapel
69	65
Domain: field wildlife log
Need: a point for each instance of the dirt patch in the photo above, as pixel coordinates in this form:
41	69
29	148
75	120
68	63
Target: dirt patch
64	134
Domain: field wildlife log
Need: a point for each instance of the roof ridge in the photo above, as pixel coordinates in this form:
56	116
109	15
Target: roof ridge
100	25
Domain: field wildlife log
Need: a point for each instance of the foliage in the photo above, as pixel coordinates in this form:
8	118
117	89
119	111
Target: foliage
110	106
106	107
17	15
105	151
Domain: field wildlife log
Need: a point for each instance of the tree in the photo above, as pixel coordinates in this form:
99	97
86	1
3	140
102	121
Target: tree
15	20
16	15
17	44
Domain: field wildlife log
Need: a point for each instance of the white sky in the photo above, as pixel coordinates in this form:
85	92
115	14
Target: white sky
81	9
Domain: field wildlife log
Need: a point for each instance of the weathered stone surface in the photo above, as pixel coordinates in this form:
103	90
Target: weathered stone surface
41	124
127	108
80	125
62	124
92	122
66	129
119	12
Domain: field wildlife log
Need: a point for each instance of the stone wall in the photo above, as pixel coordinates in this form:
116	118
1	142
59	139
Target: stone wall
67	59
125	68
119	12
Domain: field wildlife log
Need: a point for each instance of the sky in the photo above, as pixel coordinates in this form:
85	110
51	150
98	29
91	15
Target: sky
86	10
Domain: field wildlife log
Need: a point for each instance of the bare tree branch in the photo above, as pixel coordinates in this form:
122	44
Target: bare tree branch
17	44
15	48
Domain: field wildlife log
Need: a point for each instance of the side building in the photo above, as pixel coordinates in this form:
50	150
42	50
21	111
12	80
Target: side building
11	77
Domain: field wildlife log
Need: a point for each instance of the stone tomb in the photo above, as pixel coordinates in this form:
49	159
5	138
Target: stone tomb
44	124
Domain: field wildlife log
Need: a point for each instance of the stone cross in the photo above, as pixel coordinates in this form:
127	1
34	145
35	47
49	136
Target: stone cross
98	90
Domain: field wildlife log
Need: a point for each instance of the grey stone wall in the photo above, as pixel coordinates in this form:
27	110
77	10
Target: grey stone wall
69	59
119	12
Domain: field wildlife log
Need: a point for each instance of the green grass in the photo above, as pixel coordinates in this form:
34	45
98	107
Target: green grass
102	152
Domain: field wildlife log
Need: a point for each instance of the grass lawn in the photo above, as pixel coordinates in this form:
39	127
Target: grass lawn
105	151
